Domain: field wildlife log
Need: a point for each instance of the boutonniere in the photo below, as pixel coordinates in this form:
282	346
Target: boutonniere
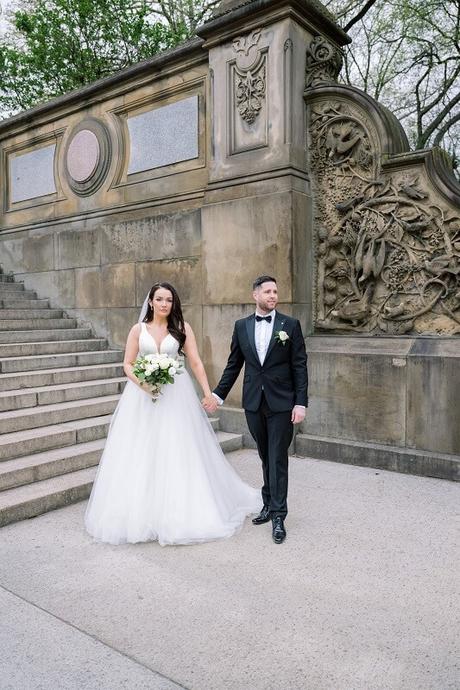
281	337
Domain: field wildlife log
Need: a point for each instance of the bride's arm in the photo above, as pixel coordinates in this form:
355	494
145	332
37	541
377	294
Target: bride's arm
131	350
191	350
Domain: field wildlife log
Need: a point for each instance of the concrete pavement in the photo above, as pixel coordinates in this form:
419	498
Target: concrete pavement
363	595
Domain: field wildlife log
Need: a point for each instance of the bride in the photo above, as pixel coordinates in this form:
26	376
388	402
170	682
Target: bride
163	475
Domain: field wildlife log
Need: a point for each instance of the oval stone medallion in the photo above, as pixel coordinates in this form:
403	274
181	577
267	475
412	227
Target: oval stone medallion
83	155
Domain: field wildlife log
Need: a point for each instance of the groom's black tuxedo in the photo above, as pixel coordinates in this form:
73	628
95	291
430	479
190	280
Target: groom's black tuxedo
270	391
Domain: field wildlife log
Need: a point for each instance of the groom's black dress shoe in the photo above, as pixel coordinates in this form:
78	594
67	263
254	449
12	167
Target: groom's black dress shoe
263	516
279	532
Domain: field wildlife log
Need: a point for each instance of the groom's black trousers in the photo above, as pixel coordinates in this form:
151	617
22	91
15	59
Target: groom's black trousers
272	431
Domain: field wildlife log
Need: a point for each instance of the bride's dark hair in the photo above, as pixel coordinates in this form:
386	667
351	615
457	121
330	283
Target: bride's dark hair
176	324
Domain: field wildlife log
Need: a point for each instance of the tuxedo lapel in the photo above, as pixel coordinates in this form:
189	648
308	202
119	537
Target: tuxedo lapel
277	326
250	329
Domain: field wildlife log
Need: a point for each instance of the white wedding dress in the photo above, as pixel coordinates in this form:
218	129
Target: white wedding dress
163	475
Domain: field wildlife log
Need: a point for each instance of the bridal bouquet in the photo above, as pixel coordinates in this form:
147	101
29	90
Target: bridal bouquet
156	371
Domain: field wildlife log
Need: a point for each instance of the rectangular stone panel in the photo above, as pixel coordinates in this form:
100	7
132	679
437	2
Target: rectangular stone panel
183	274
106	286
78	247
157	237
245	238
165	135
31	174
434	400
357	396
29	253
248	128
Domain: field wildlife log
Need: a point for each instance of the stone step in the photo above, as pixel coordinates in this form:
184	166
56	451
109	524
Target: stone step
50	463
229	442
48	334
12	292
38	497
54	377
34	499
11	303
32	314
49	395
51	347
21	443
68	359
35	324
379	456
57	413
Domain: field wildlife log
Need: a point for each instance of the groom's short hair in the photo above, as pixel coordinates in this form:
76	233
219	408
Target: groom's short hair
261	280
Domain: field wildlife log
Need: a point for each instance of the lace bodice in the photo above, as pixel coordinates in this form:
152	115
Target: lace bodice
148	346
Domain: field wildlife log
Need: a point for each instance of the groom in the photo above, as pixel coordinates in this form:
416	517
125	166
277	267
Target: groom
272	348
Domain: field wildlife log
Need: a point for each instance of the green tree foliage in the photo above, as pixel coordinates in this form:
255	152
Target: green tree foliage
60	45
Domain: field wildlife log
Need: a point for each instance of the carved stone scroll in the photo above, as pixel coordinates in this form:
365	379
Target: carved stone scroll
324	62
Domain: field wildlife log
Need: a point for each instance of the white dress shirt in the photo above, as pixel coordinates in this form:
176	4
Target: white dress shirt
263	333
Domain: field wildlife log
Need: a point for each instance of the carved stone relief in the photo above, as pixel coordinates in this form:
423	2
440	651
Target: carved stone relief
248	93
324	62
387	246
249	75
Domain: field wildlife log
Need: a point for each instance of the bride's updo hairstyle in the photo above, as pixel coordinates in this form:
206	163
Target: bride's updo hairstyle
176	324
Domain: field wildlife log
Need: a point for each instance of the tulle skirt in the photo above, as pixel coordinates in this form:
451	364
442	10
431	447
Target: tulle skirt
163	475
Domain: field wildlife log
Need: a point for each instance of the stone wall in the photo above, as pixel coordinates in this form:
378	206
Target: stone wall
238	154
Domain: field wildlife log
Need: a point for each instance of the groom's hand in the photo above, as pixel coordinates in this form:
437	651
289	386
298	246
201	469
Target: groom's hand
210	404
298	414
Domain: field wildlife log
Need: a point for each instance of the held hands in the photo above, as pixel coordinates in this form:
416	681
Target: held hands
298	414
210	404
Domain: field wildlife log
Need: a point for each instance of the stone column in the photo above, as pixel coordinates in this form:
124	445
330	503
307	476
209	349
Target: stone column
257	213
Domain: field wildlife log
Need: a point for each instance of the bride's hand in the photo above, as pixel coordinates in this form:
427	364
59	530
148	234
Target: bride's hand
209	403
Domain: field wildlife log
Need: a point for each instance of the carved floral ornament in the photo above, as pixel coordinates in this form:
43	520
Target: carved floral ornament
388	251
249	76
324	62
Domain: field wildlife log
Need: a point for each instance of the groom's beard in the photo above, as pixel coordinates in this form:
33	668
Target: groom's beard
267	305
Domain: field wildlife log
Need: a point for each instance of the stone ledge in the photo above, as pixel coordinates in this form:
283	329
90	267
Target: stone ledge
404	460
380	456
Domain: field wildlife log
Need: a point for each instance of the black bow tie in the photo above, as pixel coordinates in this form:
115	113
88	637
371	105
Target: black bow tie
264	318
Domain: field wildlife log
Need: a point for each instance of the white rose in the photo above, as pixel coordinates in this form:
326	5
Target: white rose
283	336
172	371
149	370
164	364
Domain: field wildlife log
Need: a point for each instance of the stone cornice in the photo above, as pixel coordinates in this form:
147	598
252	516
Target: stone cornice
232	18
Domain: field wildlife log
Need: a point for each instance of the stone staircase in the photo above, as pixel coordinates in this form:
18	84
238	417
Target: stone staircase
59	386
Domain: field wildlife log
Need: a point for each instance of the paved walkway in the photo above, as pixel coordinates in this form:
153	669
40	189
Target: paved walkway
363	595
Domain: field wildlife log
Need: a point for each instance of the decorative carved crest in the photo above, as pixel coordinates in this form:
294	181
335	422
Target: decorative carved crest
388	255
324	62
249	76
243	44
